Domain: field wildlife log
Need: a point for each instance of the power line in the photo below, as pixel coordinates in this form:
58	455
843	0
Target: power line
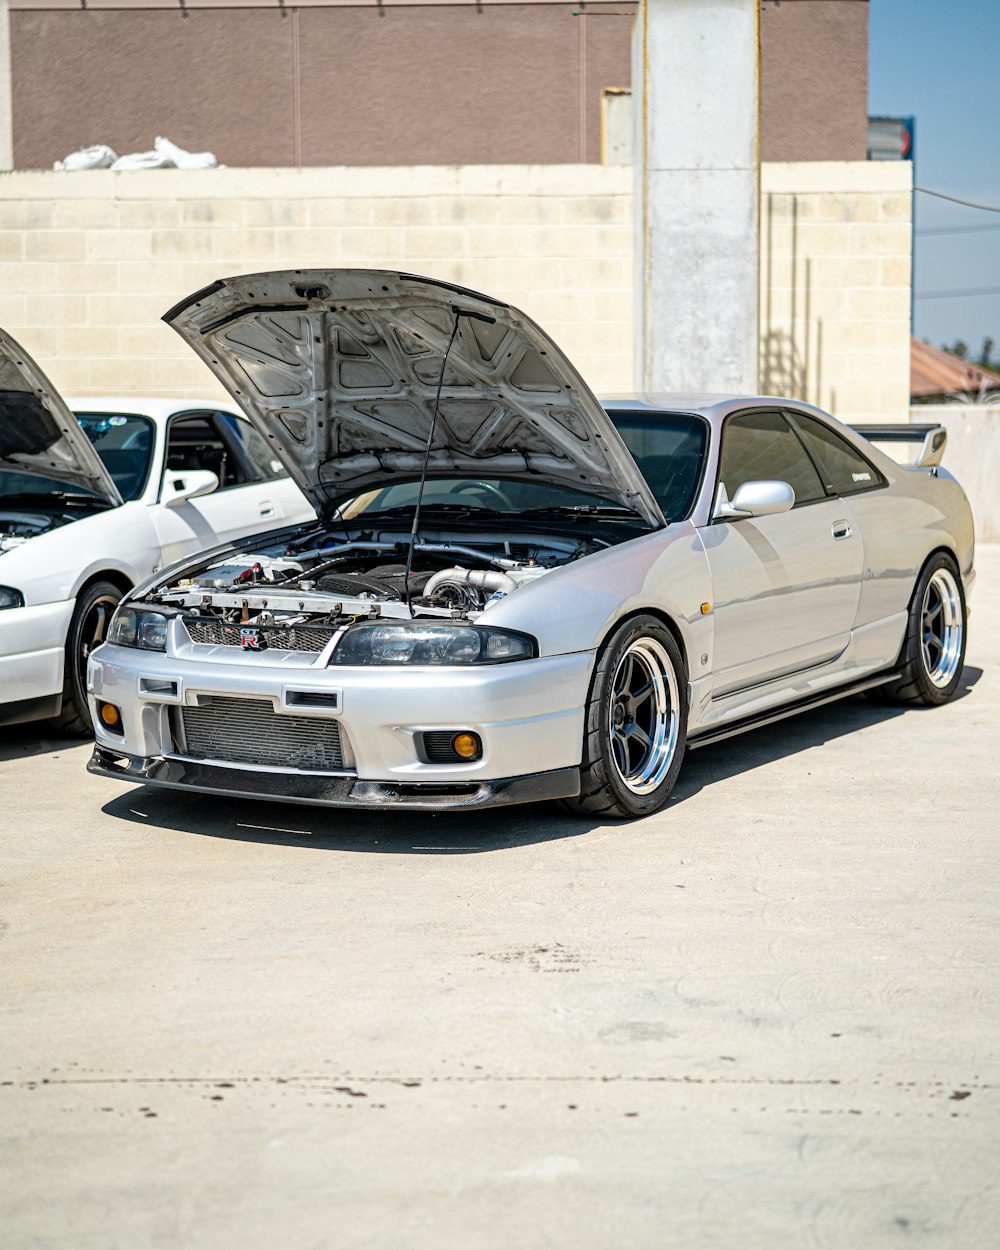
986	208
956	230
969	290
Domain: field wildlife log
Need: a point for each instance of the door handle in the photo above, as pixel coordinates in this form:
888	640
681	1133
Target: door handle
267	509
841	529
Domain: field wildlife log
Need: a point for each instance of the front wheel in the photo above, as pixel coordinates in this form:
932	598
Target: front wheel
934	649
88	629
636	723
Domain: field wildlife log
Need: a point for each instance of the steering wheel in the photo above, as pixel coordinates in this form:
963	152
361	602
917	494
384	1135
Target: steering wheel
488	489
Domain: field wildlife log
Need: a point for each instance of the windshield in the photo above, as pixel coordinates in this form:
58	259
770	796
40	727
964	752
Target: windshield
125	445
491	494
122	441
32	488
669	449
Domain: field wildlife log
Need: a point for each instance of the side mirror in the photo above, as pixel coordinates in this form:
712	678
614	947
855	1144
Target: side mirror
179	487
755	499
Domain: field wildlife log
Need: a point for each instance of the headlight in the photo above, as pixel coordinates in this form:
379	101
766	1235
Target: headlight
447	643
10	598
135	627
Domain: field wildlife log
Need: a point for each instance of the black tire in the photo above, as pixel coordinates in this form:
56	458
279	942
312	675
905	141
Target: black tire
88	628
933	651
621	776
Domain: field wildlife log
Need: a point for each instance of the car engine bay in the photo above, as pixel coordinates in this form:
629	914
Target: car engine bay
17	526
330	580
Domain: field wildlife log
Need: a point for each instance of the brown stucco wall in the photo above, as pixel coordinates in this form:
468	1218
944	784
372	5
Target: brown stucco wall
216	79
814	80
396	84
455	84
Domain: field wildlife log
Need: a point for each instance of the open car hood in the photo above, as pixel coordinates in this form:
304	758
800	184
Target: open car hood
338	369
38	433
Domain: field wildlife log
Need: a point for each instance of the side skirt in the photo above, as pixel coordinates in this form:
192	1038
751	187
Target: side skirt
46	708
718	733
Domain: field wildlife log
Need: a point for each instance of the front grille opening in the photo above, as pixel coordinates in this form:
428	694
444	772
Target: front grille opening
439	746
236	730
279	637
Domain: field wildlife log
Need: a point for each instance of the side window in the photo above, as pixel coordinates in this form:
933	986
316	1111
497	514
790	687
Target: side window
193	442
845	471
261	458
760	446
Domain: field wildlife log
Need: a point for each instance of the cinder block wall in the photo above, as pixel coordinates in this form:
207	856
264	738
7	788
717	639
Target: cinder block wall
836	261
90	261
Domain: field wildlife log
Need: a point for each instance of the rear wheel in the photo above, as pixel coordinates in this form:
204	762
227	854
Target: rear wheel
92	615
934	650
636	723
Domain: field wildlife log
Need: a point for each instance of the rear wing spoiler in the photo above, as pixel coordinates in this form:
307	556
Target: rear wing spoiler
932	439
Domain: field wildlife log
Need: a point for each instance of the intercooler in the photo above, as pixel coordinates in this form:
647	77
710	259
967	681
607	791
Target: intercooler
249	731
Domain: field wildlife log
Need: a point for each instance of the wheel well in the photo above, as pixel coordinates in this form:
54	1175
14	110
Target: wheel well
938	551
123	583
663	618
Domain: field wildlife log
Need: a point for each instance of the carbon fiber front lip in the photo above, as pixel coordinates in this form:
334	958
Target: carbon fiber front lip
332	791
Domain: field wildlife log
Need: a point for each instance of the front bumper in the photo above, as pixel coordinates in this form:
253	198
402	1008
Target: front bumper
529	716
334	791
32	653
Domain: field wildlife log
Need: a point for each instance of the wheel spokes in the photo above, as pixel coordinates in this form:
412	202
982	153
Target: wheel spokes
942	628
620	751
636	732
624	678
642	716
643	693
100	626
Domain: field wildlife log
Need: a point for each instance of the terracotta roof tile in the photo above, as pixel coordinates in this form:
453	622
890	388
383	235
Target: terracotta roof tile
934	371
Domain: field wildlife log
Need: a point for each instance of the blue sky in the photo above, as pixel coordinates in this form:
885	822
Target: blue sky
937	60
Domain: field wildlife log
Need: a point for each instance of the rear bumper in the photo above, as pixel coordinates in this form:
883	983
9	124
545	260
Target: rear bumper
333	791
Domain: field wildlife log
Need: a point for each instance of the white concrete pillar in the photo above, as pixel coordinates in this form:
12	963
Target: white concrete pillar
6	119
696	92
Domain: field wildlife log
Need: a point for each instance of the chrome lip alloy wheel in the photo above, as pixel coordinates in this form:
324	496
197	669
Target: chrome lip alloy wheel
941	628
642	716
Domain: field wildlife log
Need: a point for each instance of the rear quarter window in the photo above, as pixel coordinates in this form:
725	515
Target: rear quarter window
844	470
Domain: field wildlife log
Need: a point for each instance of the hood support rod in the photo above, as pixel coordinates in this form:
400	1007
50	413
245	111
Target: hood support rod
459	314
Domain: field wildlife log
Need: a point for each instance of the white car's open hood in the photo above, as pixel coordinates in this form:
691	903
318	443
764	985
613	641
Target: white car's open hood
338	369
38	433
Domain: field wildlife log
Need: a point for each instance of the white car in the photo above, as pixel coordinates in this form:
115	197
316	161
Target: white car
94	495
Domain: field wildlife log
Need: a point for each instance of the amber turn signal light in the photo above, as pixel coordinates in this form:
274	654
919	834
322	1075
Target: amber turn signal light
466	746
110	716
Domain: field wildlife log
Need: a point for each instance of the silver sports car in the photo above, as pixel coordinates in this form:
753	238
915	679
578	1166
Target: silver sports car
514	592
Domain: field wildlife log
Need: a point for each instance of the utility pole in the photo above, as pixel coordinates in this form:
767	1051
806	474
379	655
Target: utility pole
696	93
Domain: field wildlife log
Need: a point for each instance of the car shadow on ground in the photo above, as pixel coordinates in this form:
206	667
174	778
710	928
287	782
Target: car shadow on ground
495	829
784	738
20	742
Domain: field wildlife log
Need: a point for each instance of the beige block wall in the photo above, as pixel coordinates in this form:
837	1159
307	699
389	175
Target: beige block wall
90	261
836	253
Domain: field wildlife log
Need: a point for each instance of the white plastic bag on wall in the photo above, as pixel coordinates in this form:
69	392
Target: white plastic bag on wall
183	159
164	155
143	160
97	156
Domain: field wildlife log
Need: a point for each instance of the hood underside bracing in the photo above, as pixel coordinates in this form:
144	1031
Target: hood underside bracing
339	370
38	433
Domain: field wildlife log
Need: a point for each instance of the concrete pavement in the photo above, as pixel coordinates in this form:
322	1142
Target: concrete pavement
766	1017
